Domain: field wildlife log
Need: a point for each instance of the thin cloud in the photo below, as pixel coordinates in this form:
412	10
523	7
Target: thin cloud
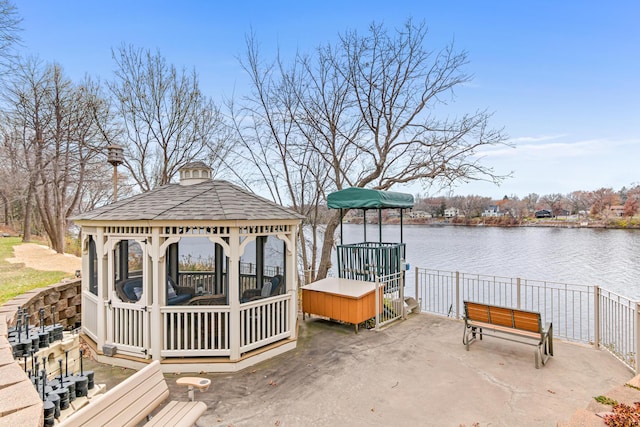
541	138
538	148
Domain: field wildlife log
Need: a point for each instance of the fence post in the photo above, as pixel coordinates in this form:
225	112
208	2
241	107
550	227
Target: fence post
401	278
518	293
457	294
416	294
377	280
636	325
596	316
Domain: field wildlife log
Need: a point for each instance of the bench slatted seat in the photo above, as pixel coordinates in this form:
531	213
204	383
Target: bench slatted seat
131	401
510	324
177	414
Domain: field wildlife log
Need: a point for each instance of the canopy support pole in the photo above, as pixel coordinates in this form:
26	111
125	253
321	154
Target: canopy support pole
379	225
341	233
364	215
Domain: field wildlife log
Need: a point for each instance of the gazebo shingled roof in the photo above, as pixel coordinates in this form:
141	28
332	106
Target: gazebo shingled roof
213	200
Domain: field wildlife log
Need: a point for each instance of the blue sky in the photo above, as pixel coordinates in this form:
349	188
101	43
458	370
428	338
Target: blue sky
562	78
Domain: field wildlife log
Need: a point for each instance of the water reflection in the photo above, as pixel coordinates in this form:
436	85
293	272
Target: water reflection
607	258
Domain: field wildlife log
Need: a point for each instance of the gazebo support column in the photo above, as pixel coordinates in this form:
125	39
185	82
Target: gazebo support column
292	281
156	326
103	295
234	294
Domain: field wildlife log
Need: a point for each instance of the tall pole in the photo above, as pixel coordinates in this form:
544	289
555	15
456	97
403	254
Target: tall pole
115	157
115	183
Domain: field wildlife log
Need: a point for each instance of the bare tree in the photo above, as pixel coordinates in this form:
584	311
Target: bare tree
602	200
9	38
9	32
515	207
12	177
531	202
166	118
268	136
578	202
632	203
553	202
56	140
470	206
366	107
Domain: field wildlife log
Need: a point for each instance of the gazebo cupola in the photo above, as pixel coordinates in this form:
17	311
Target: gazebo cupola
203	270
194	173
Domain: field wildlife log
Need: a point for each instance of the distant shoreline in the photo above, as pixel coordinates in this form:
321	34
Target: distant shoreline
616	223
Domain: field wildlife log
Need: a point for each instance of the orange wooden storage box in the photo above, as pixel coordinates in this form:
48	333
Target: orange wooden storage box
349	301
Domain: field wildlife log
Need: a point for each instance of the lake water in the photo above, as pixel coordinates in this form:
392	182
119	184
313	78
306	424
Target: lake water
603	257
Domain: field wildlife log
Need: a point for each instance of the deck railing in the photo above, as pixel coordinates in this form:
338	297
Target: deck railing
264	321
617	328
580	313
206	280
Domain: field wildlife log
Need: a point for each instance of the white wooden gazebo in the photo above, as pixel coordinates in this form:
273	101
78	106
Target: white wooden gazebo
232	305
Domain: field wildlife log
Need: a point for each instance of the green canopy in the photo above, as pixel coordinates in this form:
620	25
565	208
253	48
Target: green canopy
364	198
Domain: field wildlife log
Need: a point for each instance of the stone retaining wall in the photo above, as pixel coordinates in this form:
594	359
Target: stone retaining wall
66	296
20	404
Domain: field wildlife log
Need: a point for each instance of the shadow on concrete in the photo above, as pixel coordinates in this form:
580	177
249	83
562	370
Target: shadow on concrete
415	372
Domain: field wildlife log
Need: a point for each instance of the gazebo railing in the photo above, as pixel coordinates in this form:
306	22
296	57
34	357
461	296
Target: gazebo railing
206	279
264	321
190	331
89	315
195	331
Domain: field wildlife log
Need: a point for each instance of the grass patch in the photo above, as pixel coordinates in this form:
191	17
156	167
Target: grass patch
16	279
606	400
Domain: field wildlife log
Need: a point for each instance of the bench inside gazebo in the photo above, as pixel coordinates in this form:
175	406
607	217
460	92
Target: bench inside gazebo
199	273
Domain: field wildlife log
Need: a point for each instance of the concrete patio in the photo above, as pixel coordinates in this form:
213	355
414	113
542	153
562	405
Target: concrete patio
416	372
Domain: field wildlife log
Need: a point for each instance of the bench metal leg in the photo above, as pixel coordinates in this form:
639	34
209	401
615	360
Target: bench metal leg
545	348
469	335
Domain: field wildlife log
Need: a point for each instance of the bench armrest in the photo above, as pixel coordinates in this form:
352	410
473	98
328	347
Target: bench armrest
201	384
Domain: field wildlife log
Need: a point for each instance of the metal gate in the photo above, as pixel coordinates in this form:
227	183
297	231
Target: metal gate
392	305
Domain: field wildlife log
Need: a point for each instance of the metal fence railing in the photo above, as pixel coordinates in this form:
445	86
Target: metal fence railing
580	313
392	305
366	260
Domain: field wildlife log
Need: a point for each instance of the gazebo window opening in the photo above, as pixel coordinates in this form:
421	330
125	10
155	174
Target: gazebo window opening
93	267
199	264
262	268
128	270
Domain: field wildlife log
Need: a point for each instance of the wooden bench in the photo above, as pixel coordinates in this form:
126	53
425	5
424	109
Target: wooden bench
510	324
133	400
